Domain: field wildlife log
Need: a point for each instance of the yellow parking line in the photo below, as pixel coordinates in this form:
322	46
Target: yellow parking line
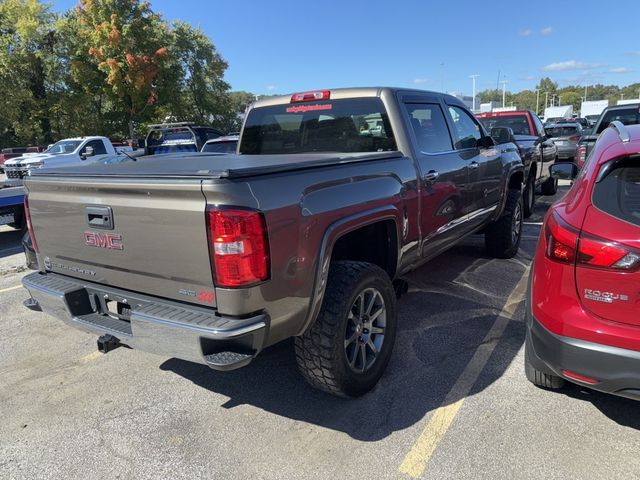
91	356
10	289
418	457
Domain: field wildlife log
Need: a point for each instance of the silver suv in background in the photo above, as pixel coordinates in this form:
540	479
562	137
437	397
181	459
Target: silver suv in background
565	136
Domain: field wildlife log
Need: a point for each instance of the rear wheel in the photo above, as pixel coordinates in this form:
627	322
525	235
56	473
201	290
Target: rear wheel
502	238
539	378
348	347
529	197
550	186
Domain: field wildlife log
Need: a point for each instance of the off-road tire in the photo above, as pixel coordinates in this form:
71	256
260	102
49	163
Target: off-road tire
499	240
529	196
538	378
320	351
549	187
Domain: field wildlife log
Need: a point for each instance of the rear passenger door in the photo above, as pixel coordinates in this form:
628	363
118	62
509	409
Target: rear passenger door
443	174
483	162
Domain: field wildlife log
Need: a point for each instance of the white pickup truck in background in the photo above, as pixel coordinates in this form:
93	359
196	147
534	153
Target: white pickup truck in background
67	152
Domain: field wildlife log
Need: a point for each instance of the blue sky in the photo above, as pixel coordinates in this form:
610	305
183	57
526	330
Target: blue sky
281	46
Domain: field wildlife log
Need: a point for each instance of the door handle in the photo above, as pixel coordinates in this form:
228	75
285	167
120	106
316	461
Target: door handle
474	165
431	176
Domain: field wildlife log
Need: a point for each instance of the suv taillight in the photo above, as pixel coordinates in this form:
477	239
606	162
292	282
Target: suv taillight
27	214
581	155
238	246
566	245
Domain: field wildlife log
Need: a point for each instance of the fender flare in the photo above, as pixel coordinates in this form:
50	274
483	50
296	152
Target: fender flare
331	235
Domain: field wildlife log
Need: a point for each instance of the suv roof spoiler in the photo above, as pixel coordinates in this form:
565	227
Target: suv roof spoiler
623	133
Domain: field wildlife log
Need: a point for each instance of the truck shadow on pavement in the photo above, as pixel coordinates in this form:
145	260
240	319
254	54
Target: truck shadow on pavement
452	303
10	241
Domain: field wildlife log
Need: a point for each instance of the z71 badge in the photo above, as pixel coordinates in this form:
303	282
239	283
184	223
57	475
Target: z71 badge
605	297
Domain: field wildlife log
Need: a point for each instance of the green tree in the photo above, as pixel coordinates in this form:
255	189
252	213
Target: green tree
199	71
27	62
127	44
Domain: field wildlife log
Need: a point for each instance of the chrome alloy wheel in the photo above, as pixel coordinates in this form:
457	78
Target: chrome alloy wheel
516	224
365	331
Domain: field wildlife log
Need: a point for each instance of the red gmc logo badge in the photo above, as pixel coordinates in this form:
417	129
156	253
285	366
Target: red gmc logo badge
112	241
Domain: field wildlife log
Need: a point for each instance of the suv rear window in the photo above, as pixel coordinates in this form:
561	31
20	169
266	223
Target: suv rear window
629	116
562	131
348	125
518	123
618	194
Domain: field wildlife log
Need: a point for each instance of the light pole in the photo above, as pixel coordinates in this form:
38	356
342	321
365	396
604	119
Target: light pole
585	93
546	100
473	78
504	92
537	101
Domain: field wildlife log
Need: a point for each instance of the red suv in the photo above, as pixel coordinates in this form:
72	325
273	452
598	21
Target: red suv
583	304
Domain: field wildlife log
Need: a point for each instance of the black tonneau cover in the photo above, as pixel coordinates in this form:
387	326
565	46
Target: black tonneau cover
211	165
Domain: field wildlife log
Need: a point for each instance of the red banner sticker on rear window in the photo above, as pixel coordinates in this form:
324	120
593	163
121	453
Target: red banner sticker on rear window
309	108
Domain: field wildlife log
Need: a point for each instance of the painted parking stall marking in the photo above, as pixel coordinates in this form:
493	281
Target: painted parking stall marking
418	457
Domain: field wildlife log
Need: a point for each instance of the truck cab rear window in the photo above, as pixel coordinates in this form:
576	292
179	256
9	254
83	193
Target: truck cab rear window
348	125
518	123
618	194
629	116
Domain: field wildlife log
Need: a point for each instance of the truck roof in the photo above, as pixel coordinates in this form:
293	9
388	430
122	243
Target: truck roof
503	114
91	137
355	92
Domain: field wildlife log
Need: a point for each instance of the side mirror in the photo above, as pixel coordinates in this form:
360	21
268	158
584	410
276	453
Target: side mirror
502	135
88	152
564	171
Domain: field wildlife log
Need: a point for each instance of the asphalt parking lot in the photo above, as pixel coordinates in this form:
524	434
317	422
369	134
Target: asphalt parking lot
454	402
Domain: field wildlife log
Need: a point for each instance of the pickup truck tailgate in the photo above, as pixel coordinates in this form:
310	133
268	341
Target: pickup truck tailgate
135	234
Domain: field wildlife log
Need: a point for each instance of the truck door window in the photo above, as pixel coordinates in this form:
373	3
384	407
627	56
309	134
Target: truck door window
430	127
98	147
539	126
467	130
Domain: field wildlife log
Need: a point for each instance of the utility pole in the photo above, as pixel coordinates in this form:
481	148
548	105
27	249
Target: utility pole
504	92
585	93
622	96
473	78
546	99
537	101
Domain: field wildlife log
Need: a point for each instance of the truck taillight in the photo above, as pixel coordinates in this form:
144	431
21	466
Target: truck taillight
27	214
566	245
238	246
310	96
581	155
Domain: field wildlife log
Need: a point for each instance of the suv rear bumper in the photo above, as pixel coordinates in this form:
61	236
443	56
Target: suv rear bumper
148	323
616	369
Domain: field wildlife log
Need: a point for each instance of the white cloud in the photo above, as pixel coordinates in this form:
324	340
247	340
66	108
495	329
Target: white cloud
525	33
546	31
621	70
528	78
634	54
569	65
418	81
271	88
